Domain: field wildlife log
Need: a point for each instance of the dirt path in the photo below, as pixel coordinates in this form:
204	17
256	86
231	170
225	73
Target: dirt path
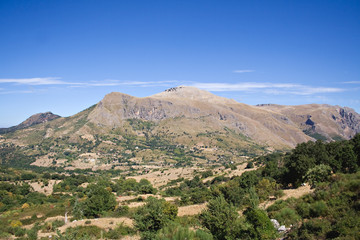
296	193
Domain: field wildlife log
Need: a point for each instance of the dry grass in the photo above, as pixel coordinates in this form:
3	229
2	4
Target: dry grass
288	193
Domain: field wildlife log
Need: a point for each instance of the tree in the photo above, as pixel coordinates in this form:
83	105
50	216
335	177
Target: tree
262	226
356	146
222	219
153	216
298	165
98	201
319	173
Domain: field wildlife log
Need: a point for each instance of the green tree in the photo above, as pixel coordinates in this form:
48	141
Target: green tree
298	165
153	216
262	226
222	219
98	201
317	174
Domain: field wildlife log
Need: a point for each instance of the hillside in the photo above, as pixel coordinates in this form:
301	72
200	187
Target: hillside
182	125
31	121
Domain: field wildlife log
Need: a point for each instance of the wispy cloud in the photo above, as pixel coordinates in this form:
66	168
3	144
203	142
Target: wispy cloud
268	88
107	83
243	71
104	83
352	82
36	81
15	92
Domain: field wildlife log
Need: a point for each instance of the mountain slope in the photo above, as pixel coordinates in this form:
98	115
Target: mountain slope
269	125
32	120
180	125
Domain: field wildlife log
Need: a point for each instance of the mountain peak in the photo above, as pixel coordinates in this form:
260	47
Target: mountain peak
32	120
192	93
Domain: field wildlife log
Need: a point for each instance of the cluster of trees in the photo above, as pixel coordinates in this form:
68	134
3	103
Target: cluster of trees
157	220
295	167
192	191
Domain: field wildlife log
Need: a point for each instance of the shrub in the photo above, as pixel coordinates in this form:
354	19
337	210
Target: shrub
220	218
15	223
98	201
262	227
119	231
303	209
121	211
317	174
25	205
318	209
250	165
287	216
19	232
154	215
84	232
174	231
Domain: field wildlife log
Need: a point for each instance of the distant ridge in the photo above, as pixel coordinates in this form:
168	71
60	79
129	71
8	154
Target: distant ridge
32	120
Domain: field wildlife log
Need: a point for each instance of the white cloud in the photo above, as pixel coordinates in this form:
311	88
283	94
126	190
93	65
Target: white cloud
352	82
15	92
35	81
244	71
107	83
268	88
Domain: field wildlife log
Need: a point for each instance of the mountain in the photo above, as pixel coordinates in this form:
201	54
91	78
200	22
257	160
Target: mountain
33	120
272	125
182	124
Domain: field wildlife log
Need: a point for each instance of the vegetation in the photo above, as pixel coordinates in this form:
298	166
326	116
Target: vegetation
330	212
156	214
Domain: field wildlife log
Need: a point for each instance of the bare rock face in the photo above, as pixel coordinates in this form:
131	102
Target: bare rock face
33	120
268	124
196	112
321	120
200	107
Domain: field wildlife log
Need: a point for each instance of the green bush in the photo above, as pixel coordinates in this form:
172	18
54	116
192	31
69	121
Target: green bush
317	174
84	232
119	231
174	231
153	216
287	216
98	201
121	211
19	232
222	219
262	227
318	209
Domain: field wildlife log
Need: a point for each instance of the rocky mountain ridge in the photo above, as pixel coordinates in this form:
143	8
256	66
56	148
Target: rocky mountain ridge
192	117
272	125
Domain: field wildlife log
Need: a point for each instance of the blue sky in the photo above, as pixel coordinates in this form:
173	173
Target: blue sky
64	56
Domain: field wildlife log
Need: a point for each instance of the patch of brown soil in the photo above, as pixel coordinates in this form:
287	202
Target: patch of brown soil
104	223
43	161
47	190
159	178
191	209
295	193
